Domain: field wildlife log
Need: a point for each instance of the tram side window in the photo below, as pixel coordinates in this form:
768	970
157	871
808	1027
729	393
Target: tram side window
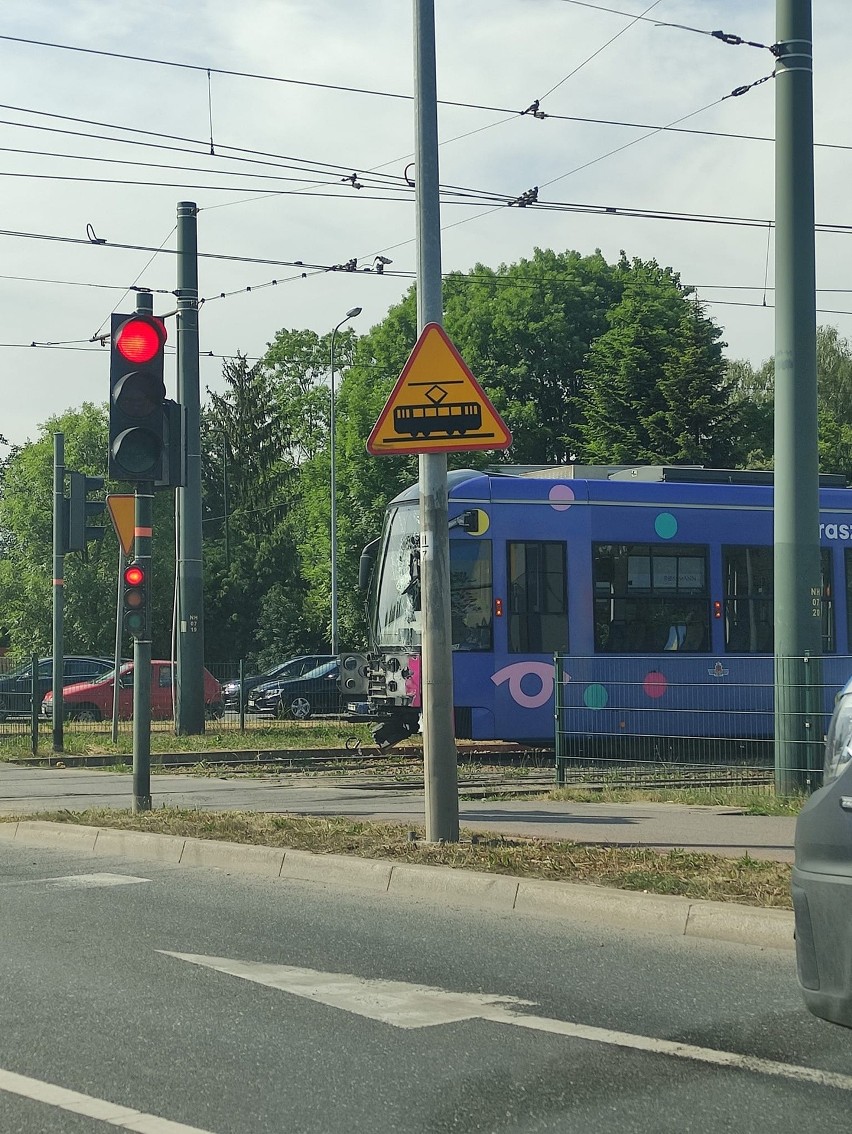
749	585
748	599
650	598
538	606
471	594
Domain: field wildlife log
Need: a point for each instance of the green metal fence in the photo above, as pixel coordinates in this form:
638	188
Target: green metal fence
91	711
690	721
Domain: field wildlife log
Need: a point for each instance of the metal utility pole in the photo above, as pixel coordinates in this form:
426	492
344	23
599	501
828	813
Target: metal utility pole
58	587
440	761
116	687
189	683
142	540
332	449
798	584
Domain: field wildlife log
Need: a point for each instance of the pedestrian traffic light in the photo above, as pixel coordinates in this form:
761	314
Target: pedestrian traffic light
135	600
79	531
137	397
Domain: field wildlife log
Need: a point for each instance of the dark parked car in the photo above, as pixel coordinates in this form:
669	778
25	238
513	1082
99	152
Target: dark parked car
16	687
292	667
300	697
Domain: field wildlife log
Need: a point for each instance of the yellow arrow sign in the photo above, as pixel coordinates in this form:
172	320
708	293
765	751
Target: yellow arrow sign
437	406
122	510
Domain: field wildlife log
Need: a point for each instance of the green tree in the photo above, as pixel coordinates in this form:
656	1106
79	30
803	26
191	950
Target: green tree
656	387
753	408
525	331
246	476
26	566
754	405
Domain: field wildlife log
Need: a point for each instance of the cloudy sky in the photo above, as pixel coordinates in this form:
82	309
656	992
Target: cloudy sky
105	146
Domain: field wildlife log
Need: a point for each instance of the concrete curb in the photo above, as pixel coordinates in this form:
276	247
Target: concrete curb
569	901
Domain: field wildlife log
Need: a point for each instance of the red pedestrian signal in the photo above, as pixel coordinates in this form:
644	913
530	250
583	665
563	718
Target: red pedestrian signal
135	600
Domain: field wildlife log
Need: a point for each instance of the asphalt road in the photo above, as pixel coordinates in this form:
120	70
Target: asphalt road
96	1001
712	829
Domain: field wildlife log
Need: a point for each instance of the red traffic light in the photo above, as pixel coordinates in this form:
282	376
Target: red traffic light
140	340
134	576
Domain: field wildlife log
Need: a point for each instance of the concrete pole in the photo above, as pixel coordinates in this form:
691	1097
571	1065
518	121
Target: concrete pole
189	678
798	589
440	762
332	447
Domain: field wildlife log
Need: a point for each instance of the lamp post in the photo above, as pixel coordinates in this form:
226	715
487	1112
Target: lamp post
335	644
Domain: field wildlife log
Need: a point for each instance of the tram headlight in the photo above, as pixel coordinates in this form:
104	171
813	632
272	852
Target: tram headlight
838	743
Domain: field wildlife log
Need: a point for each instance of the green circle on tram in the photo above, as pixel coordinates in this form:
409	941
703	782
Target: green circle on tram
595	696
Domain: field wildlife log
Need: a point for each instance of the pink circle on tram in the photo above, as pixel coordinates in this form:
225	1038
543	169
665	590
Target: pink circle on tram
655	684
561	497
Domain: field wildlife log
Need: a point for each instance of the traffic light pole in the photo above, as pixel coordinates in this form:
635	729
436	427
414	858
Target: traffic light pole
440	760
116	688
189	686
142	540
58	587
144	516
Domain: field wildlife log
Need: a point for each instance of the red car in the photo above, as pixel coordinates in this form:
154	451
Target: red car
92	700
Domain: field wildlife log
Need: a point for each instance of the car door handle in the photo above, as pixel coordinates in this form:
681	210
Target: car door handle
846	802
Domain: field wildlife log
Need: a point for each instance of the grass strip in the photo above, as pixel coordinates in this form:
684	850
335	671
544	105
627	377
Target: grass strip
703	877
747	800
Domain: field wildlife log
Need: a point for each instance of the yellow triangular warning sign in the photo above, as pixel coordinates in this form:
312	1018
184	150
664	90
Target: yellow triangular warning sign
122	512
437	406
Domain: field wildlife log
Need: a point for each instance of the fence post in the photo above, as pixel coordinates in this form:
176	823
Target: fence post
34	705
558	675
241	695
813	702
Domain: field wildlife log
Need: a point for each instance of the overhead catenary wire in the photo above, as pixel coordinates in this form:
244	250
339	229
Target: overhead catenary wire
729	38
595	53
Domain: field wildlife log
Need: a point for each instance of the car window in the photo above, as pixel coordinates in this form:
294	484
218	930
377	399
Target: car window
45	669
291	668
321	671
110	674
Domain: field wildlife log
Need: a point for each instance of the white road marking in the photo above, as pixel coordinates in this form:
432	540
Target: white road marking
75	881
406	1005
125	1118
89	881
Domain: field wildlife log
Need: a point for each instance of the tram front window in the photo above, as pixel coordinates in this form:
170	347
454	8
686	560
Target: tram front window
397	598
396	615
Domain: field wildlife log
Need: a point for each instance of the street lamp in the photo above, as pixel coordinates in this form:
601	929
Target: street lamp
334	637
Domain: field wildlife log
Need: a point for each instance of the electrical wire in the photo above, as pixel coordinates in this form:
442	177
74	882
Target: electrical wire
730	39
595	54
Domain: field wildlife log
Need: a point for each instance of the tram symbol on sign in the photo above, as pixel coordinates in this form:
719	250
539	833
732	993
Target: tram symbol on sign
437	405
437	415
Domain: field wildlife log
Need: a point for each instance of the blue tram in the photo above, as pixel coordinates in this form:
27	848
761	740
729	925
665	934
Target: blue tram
653	579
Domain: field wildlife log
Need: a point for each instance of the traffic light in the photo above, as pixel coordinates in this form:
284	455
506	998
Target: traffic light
137	397
134	602
79	531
